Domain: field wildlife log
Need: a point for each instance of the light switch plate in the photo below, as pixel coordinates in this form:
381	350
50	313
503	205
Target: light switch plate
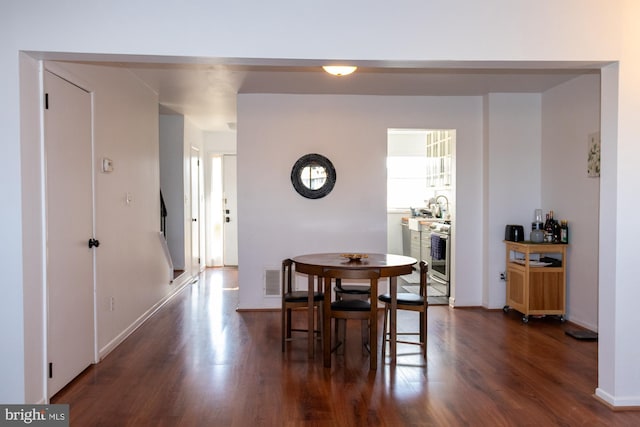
107	165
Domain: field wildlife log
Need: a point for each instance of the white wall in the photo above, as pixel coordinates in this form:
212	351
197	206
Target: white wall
513	171
220	142
536	159
172	184
394	231
501	30
33	270
275	222
570	112
130	266
611	328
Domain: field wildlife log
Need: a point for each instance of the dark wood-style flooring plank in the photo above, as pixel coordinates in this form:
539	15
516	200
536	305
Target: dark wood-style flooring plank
198	362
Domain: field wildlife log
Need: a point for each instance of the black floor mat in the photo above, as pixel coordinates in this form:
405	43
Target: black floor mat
582	335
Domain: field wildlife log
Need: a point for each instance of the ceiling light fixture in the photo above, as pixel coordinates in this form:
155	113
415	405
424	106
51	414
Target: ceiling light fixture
339	70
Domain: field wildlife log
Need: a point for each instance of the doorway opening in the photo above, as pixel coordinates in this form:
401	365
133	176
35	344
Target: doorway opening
421	205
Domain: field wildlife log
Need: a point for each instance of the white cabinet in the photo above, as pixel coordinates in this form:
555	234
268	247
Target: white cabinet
415	244
425	245
439	158
406	240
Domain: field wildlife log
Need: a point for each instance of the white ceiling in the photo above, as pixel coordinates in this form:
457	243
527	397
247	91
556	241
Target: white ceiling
206	93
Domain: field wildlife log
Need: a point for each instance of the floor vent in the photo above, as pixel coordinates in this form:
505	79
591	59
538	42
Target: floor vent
272	283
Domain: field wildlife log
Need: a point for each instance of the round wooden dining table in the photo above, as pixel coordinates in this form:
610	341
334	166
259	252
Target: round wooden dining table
385	265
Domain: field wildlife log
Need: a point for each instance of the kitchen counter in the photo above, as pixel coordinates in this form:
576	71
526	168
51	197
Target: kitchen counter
418	223
405	219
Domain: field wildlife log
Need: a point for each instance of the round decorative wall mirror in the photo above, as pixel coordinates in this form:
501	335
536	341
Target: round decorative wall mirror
313	176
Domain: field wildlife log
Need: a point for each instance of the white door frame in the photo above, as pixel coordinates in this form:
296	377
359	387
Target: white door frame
194	208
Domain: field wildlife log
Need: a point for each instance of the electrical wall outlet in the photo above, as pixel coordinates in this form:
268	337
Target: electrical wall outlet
503	276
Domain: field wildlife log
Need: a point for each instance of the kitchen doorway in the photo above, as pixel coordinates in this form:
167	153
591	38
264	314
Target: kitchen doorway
421	205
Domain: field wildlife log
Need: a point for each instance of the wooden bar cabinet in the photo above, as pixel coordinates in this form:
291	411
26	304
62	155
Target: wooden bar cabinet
536	279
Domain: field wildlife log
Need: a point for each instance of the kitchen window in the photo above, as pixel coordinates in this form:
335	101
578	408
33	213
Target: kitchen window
406	181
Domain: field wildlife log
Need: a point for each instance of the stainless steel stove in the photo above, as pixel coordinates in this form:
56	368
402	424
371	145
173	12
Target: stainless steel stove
440	255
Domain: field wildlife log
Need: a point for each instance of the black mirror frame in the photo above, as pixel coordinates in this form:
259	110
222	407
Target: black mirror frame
309	160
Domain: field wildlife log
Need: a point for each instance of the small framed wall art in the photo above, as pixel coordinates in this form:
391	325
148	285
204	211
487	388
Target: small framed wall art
593	157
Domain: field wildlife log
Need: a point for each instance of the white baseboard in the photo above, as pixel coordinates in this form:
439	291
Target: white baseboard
184	280
586	325
619	403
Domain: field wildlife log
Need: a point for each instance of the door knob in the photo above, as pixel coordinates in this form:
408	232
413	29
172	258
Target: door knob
194	219
93	243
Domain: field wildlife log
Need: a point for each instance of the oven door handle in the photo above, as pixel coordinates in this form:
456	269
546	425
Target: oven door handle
439	280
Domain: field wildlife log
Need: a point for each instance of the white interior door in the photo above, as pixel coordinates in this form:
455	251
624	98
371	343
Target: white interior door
195	211
230	203
69	223
215	218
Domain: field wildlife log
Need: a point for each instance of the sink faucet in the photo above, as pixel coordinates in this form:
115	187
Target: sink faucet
446	200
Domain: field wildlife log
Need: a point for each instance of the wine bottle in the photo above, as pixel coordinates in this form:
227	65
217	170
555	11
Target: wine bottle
548	228
556	232
564	231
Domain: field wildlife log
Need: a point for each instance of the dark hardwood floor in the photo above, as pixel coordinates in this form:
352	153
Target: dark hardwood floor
198	362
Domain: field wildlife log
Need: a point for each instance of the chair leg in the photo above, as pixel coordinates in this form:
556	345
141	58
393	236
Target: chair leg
364	332
288	323
283	327
340	334
423	333
384	332
319	320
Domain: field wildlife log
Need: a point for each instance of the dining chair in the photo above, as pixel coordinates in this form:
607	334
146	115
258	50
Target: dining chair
292	299
351	308
412	302
351	291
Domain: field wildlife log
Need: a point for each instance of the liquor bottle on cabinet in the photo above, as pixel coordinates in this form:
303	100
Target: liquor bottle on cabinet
548	228
564	231
557	231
